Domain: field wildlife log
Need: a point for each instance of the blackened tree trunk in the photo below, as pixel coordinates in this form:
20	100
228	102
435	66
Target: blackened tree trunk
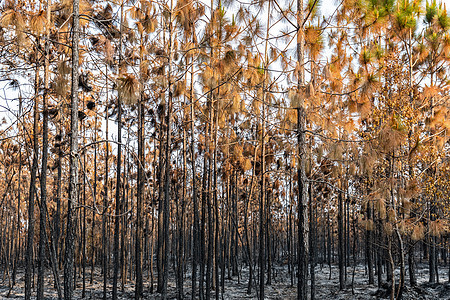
118	210
391	277
412	265
329	242
262	205
57	218
43	240
209	260
341	245
313	245
246	234
196	231
181	213
73	179
290	239
380	251
432	259
369	245
302	189
94	202
83	220
216	204
139	195
43	202
105	199
160	242
32	192
168	153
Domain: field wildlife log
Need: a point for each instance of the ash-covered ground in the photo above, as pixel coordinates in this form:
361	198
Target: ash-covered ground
236	288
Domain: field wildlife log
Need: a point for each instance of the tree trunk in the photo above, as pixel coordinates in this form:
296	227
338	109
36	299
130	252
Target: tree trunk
391	269
32	192
43	240
369	246
412	265
166	211
105	200
312	245
139	195
118	209
73	179
432	260
341	245
302	189
196	231
181	213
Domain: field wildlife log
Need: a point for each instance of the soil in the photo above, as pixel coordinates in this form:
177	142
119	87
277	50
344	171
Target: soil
236	288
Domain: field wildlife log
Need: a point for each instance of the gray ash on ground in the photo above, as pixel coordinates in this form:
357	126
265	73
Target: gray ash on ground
327	288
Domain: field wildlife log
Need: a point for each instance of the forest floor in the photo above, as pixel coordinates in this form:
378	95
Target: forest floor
326	288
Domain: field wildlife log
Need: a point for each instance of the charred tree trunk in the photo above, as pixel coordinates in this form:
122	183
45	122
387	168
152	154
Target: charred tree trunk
369	246
32	191
303	229
118	208
168	153
139	196
196	230
73	180
341	244
313	245
105	253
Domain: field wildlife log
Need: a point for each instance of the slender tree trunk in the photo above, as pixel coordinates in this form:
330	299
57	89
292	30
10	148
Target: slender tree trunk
262	254
262	203
313	245
210	238
369	246
180	245
215	203
73	179
94	202
341	249
401	284
43	202
246	234
196	233
57	218
202	256
124	220
168	153
432	259
43	240
105	199
83	223
329	242
379	252
290	231
32	192
347	236
302	284
19	201
118	210
412	265
391	269
139	195
160	242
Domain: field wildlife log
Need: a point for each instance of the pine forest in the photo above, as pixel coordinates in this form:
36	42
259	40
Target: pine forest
247	149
